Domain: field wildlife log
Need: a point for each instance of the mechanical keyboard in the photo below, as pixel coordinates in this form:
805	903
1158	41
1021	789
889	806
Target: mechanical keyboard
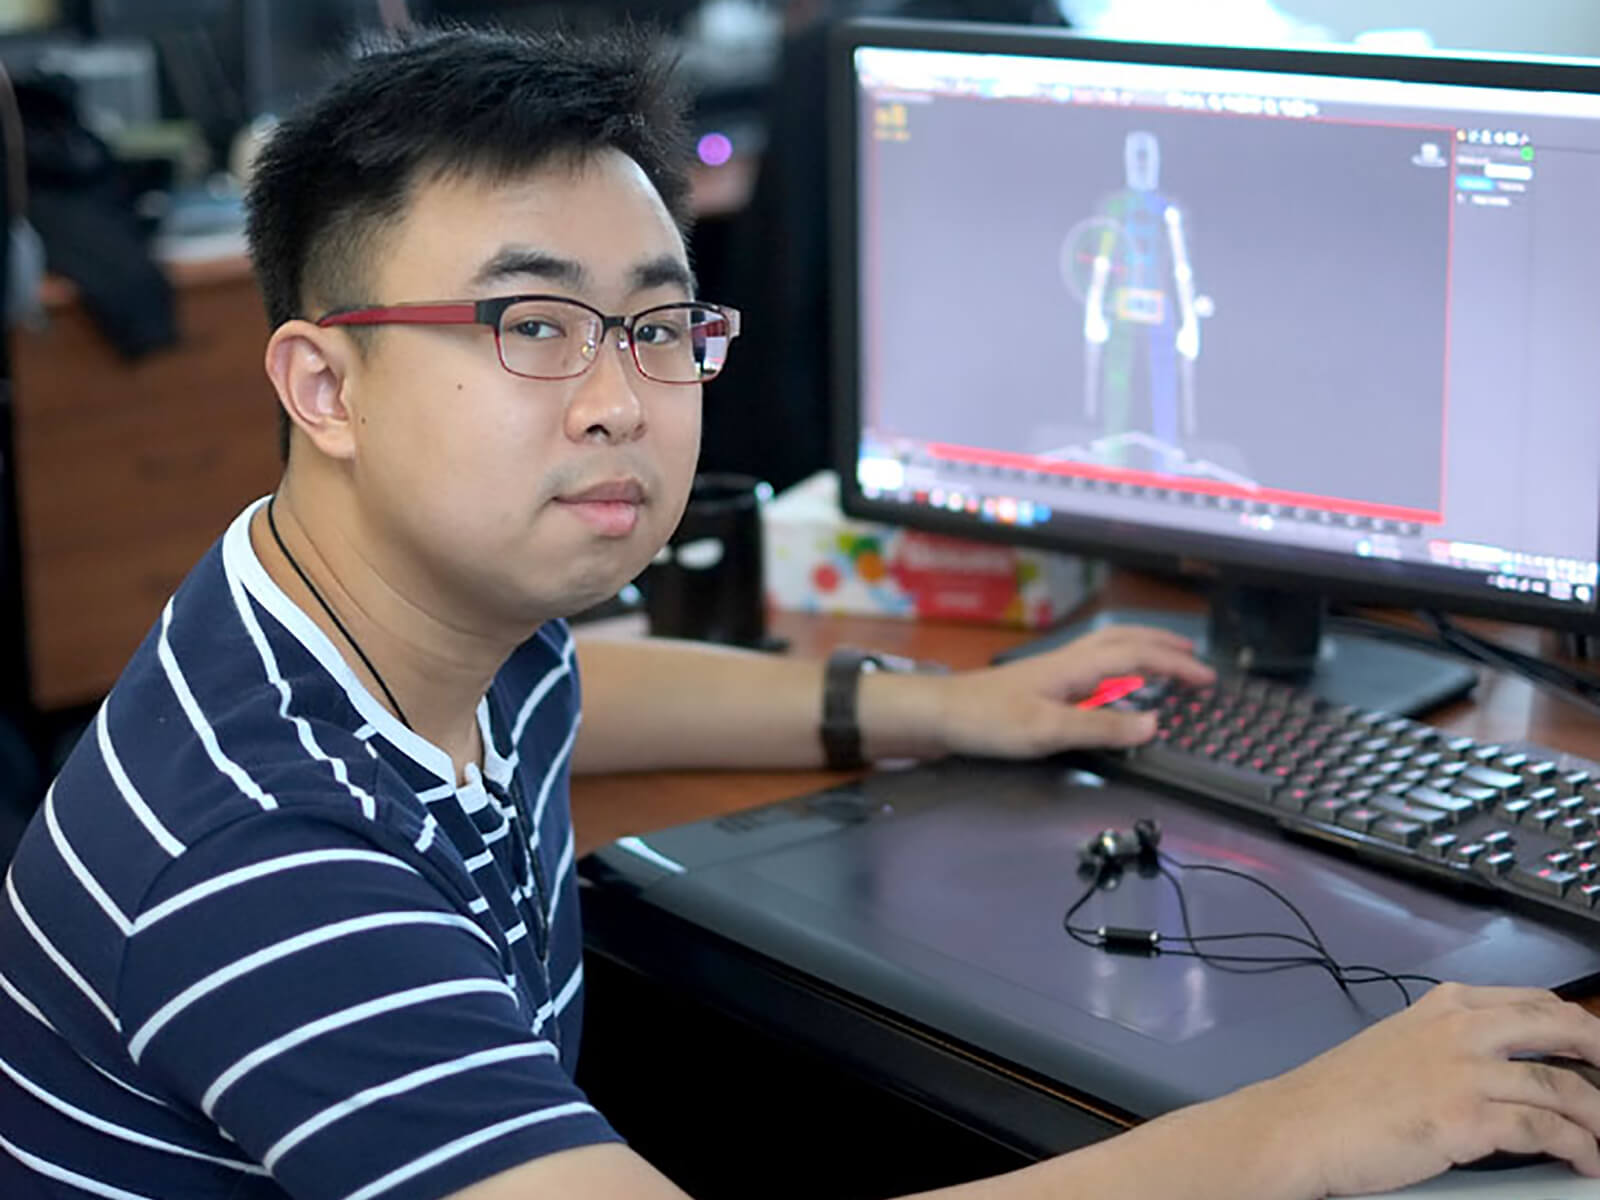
1513	821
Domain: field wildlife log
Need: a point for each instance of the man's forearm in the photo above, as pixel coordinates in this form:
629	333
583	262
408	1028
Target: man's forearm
658	704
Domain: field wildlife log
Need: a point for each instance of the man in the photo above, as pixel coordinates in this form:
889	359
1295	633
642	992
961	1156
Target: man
298	917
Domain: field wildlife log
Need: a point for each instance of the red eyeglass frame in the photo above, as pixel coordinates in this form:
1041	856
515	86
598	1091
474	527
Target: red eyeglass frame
490	312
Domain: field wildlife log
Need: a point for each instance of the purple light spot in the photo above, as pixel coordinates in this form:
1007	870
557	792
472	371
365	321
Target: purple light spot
715	149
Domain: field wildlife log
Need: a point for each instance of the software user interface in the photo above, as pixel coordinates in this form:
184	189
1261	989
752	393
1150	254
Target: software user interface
1311	313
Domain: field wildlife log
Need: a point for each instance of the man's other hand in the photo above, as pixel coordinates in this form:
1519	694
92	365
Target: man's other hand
1435	1086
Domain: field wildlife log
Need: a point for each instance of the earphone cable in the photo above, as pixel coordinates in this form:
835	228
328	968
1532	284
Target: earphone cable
1343	974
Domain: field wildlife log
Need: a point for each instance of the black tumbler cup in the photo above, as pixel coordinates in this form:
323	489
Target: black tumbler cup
706	584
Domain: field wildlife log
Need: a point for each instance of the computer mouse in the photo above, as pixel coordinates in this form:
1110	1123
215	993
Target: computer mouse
1504	1160
1585	1070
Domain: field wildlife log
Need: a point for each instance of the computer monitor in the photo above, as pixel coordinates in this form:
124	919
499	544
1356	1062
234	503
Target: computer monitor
1308	325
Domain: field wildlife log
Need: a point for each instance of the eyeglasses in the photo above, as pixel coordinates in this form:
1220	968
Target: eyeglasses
552	337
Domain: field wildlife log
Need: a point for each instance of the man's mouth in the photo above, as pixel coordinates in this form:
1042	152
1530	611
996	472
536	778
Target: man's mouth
610	508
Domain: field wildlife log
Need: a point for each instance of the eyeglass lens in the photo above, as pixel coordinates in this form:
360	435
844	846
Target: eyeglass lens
554	339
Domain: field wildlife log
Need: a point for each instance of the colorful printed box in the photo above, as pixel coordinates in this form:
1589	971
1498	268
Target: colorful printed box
817	560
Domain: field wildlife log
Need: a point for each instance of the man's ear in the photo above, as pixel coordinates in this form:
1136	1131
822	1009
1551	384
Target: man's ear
312	369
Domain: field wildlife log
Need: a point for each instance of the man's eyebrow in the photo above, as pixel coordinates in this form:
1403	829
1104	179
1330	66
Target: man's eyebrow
665	271
511	261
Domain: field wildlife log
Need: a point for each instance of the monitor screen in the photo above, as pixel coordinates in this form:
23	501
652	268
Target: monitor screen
1324	316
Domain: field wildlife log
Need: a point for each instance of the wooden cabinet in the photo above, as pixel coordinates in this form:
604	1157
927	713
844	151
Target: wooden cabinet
126	472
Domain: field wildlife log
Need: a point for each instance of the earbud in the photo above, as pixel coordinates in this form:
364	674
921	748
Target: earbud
1104	855
1148	833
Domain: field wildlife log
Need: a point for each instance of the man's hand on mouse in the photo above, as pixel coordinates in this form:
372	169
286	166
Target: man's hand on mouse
1435	1086
1029	707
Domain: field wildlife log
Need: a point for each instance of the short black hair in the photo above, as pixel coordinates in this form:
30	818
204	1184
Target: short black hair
449	102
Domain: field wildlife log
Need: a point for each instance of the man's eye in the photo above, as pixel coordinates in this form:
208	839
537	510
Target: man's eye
535	328
659	333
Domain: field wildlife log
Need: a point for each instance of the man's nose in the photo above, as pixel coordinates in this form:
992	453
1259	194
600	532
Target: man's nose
606	402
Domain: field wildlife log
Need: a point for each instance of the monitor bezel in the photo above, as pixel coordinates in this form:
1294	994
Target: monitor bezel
1189	554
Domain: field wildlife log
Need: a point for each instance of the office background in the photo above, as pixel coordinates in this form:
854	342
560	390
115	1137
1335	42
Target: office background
135	420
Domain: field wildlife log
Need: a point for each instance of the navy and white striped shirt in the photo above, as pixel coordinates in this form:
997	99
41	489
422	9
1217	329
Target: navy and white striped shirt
257	942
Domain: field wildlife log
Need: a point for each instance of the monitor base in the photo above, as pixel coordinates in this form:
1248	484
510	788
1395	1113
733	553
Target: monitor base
1349	669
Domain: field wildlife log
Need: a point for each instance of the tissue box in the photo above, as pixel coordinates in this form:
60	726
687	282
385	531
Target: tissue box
817	560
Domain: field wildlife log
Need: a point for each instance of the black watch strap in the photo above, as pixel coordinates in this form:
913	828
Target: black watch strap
841	684
841	728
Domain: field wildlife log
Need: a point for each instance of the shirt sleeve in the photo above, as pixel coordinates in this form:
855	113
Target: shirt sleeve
329	1001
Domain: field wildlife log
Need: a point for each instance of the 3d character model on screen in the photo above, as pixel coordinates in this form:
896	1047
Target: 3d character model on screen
1129	265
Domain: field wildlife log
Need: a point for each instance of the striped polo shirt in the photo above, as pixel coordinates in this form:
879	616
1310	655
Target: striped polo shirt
258	942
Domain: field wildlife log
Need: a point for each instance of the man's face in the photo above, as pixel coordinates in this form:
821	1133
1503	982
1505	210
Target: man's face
505	499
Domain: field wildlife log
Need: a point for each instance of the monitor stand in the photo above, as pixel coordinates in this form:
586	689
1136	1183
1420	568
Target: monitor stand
1280	635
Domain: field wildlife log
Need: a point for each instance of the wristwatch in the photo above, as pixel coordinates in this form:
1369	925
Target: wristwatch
841	682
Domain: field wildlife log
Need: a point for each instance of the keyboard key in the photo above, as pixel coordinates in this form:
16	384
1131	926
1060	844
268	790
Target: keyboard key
1538	773
1545	796
1488	777
1327	809
1459	807
1559	858
1467	851
1515	810
1444	845
1572	782
1294	799
1500	839
1587	894
1360	817
1511	762
1542	818
1552	881
1497	863
1572	829
1431	819
1483	797
1399	830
